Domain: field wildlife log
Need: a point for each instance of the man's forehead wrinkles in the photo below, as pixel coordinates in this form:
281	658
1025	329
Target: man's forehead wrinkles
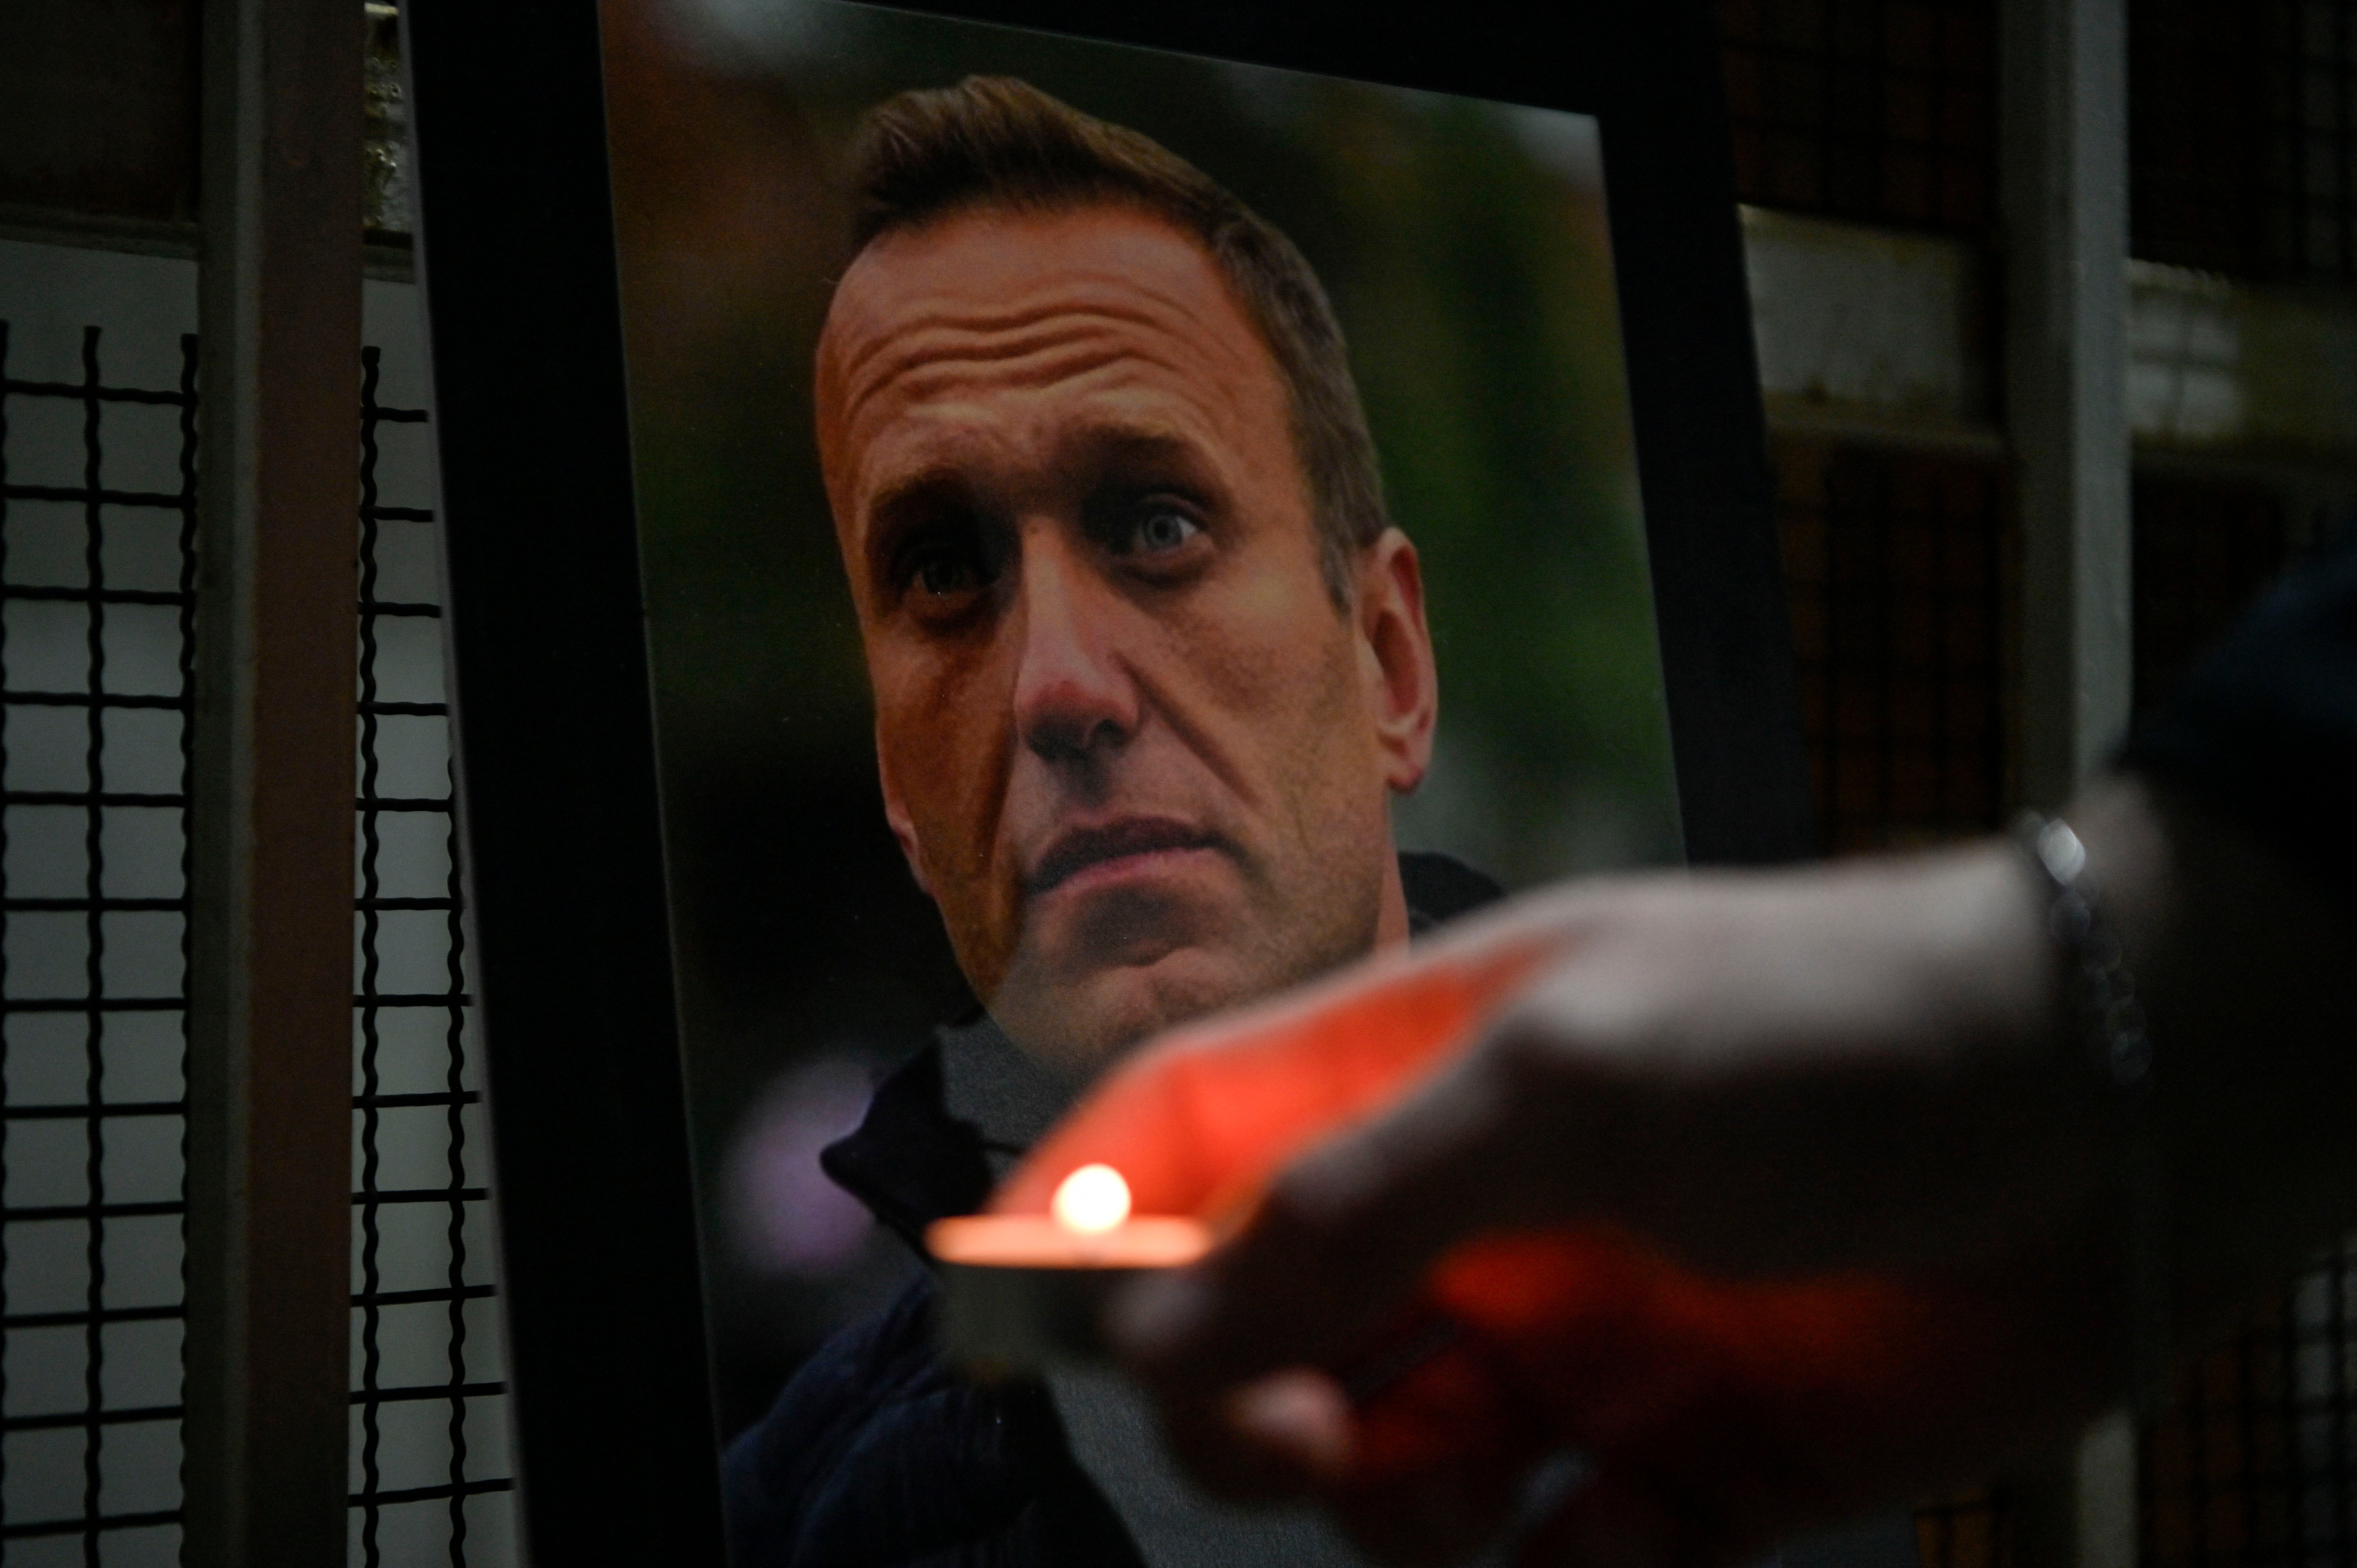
1111	297
948	454
1072	408
921	358
1075	377
920	377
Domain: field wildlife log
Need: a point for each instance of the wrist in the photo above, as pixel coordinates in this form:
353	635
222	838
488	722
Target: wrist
2107	1039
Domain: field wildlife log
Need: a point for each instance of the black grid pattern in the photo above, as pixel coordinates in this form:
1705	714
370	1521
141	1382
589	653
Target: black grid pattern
1965	1531
2205	549
93	834
2253	1466
408	840
2243	137
1873	110
1894	564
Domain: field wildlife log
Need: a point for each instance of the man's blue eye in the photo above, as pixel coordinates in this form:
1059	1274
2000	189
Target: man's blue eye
1165	528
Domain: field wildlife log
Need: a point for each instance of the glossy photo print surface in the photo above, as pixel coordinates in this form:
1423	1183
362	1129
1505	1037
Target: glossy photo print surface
1124	534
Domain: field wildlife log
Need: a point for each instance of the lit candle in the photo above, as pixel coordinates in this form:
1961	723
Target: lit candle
1091	1200
1021	1291
1089	1226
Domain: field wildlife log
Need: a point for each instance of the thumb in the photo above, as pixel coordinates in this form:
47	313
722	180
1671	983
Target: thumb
1202	1118
1338	1243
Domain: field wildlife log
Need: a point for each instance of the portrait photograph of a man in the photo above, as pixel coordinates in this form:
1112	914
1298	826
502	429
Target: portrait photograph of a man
1126	535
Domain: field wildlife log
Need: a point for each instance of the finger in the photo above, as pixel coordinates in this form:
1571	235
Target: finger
1202	1119
1430	1411
1283	1437
1426	1472
1303	1419
1439	1459
1340	1239
1140	1121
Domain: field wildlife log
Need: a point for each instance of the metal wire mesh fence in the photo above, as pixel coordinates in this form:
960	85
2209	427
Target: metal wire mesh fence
1894	564
97	596
2253	1466
2243	137
2204	550
1962	1532
1876	111
2243	160
429	1442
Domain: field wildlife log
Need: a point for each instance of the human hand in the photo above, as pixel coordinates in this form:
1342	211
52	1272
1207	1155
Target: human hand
1730	1183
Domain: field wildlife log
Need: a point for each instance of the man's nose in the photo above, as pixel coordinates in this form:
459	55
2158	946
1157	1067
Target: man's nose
1074	699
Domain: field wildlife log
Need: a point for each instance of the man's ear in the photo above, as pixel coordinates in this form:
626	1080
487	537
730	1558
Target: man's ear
1402	680
896	814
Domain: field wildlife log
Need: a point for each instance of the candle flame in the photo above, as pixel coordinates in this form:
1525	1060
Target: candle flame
1091	1200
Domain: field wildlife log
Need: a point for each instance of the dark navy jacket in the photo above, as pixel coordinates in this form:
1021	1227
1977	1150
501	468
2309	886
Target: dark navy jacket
876	1456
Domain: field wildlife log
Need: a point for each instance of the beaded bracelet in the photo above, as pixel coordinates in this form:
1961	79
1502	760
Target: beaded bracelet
2112	1027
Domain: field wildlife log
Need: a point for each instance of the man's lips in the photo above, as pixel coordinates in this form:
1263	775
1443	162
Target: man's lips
1076	850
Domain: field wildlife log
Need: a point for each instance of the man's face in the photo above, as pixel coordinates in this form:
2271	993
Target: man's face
1129	743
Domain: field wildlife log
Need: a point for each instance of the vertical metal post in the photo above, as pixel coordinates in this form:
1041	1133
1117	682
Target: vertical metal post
271	853
2064	92
2064	176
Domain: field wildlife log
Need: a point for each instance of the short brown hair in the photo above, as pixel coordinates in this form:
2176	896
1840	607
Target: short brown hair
993	141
